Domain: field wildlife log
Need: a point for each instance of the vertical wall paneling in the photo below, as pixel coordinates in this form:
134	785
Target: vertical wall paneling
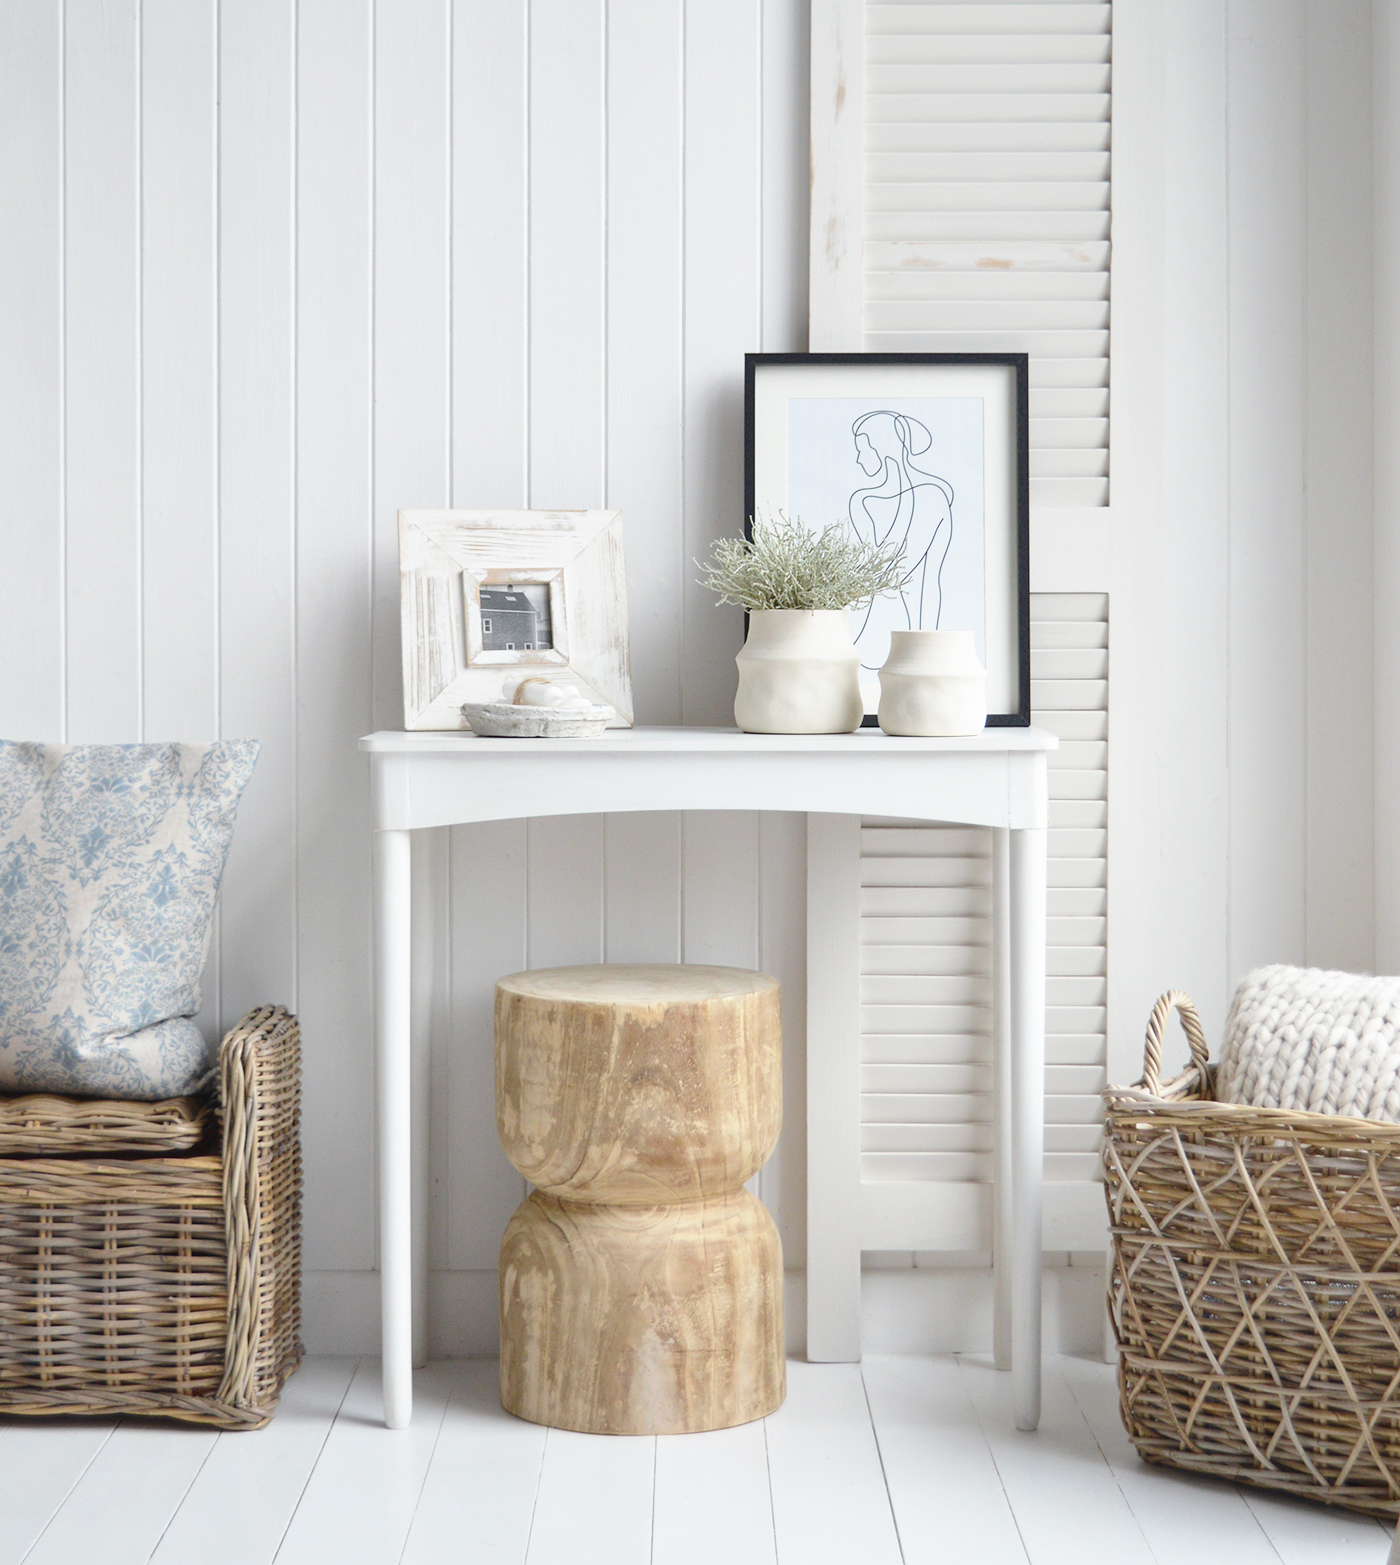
568	392
722	296
490	272
782	935
643	476
787	165
179	414
411	312
720	909
488	941
1189	931
782	839
31	335
642	887
564	890
102	281
1339	539
257	502
645	272
334	608
568	385
1267	594
1386	419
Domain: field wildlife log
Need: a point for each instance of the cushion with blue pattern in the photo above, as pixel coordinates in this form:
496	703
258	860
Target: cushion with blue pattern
110	862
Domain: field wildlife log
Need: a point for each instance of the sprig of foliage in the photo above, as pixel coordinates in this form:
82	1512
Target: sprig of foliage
785	566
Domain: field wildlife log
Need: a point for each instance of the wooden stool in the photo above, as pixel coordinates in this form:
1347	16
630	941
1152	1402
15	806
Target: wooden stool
641	1284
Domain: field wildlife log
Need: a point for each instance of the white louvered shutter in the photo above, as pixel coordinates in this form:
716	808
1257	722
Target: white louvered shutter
986	207
925	920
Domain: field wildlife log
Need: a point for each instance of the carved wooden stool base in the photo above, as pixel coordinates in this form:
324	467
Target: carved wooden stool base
641	1284
631	1320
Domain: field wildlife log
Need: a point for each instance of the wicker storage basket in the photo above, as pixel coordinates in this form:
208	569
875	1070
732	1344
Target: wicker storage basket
1255	1284
150	1258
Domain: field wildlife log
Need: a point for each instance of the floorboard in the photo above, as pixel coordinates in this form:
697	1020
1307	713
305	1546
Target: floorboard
1306	1534
117	1511
595	1500
712	1499
479	1497
239	1507
829	1497
948	1499
360	1501
1186	1519
1066	1501
41	1459
900	1461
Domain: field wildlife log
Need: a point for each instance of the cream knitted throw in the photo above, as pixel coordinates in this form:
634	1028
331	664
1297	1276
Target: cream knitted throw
1305	1038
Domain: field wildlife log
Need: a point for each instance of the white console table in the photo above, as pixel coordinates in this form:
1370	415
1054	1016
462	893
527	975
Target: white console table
996	779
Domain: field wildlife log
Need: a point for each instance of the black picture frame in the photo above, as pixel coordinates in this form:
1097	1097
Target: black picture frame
1015	714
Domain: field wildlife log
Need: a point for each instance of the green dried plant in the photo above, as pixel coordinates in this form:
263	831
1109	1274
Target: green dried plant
786	566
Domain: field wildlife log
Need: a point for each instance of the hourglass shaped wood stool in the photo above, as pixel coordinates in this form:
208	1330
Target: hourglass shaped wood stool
641	1284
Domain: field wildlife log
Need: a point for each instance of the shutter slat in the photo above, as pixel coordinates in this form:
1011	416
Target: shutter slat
987	205
1033	289
1042	80
1078	492
896	106
1038	17
987	136
1010	256
925	1017
992	196
1081	226
999	50
995	169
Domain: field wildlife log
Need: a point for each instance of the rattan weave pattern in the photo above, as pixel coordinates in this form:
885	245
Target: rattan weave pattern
1255	1285
163	1285
39	1125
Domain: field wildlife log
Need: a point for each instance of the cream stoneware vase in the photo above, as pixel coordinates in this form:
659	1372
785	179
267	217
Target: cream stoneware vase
798	674
932	685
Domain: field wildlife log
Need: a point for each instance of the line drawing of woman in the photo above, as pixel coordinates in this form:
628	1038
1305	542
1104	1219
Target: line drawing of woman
907	505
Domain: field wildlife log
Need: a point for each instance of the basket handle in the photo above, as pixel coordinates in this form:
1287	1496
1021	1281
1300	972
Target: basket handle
1156	1026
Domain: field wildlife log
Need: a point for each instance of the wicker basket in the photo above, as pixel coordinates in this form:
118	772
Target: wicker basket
158	1271
1255	1284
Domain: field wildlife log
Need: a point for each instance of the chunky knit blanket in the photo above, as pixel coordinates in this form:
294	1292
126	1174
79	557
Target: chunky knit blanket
1304	1038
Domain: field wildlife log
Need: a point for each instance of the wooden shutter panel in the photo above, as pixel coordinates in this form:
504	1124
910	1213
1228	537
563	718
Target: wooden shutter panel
925	920
986	207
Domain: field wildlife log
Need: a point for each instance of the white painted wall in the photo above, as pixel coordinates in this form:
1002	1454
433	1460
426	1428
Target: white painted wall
273	268
1260	576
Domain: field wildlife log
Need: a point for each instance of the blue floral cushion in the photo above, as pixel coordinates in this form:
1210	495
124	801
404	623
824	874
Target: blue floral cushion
110	861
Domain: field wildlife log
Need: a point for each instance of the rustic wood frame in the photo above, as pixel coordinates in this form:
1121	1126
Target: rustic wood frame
446	557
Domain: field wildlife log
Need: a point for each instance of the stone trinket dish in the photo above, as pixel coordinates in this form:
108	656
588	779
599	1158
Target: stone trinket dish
506	720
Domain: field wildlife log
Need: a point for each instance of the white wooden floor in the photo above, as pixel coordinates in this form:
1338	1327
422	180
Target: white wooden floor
899	1459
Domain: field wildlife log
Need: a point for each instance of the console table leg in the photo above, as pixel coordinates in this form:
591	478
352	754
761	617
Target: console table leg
1027	885
1003	1218
393	1016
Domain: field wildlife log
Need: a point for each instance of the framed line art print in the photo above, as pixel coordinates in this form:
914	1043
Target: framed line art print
930	449
488	598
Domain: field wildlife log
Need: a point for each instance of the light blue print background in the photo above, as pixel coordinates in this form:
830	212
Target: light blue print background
923	446
110	861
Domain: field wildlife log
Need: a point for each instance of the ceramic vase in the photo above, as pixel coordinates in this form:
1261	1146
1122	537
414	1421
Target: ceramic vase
933	685
798	674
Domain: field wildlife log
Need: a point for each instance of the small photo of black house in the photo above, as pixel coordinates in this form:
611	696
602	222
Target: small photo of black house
515	618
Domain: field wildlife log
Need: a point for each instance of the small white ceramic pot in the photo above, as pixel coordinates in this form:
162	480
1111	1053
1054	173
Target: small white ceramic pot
798	674
933	685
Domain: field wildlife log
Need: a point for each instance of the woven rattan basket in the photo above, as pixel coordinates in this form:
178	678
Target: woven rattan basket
150	1256
1255	1284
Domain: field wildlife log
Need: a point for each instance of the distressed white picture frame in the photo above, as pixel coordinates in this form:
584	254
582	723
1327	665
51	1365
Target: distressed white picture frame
446	557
